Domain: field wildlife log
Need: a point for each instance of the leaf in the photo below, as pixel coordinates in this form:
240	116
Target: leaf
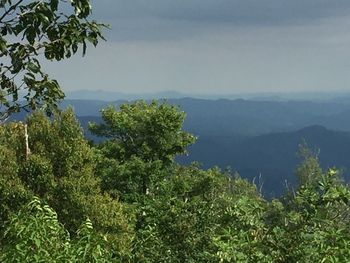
30	34
54	5
33	67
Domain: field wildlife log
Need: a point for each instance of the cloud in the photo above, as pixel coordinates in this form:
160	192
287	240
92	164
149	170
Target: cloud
219	45
163	19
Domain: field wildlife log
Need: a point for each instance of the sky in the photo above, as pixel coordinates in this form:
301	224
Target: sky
215	46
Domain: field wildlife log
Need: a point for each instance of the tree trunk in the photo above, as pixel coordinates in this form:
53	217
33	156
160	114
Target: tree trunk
26	137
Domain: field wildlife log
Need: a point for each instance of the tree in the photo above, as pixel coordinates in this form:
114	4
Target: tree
61	171
176	223
143	140
202	216
309	171
150	131
55	28
13	193
314	225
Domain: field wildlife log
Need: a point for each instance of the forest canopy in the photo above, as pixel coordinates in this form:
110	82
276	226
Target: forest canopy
110	202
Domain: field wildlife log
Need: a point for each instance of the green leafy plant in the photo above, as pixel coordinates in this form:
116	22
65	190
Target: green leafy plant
34	234
28	29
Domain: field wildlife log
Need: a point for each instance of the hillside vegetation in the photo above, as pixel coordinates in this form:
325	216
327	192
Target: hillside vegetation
126	199
259	139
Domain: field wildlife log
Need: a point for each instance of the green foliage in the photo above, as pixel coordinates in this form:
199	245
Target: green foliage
309	171
13	193
148	131
143	142
186	219
28	28
131	179
176	223
321	215
35	235
62	142
60	169
37	174
241	236
146	208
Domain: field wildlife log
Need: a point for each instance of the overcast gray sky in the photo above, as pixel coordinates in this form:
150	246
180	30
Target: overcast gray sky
215	46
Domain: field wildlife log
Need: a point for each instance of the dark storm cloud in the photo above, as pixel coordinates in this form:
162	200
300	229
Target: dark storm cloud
234	11
162	19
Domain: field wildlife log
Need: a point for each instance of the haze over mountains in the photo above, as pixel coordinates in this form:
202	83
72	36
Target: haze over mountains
258	137
336	96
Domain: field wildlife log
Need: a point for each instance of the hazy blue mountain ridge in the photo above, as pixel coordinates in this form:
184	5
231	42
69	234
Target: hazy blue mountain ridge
248	118
273	156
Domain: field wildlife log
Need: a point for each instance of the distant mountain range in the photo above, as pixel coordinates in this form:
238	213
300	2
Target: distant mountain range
339	96
272	158
242	117
256	138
